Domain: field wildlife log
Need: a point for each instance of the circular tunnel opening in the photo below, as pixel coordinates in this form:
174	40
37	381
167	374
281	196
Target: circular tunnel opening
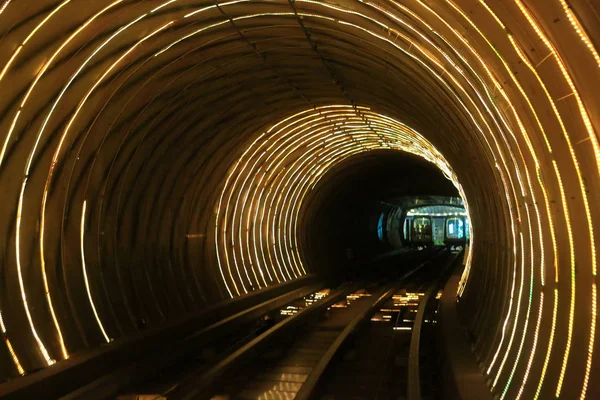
359	196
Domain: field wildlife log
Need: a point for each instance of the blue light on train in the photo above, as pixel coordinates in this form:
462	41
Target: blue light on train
380	227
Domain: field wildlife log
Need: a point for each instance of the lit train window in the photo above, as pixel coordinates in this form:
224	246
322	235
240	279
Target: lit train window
455	228
422	224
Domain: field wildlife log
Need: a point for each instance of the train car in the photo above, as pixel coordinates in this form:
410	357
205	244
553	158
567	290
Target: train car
421	234
455	236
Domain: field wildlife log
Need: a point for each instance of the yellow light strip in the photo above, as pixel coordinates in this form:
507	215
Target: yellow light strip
576	163
217	221
304	14
590	355
514	279
582	110
13	355
85	275
61	341
551	341
6	2
585	203
532	355
580	31
41	346
572	306
318	139
524	335
517	312
12	58
49	180
41	73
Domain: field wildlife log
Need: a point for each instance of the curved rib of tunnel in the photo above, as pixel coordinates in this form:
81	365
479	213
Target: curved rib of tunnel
155	160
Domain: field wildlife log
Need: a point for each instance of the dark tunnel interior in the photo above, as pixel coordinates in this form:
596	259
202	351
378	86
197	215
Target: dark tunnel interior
342	212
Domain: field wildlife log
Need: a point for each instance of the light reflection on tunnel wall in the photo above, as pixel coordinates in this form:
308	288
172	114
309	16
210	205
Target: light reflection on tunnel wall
105	145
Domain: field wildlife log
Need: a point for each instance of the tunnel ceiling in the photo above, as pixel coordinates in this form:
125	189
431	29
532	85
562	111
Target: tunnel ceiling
383	176
123	124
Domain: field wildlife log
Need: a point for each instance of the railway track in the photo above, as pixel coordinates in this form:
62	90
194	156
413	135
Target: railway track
294	357
300	344
381	360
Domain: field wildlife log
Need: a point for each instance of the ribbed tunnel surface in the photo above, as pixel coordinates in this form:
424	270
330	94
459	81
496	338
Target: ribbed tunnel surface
143	154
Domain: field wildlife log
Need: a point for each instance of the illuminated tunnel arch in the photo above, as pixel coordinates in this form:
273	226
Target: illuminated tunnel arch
122	121
256	228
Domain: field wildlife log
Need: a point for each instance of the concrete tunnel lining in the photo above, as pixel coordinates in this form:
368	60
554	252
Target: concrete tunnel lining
162	98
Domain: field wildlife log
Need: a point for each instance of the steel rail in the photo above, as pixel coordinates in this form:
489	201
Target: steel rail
414	373
69	376
195	386
308	388
111	384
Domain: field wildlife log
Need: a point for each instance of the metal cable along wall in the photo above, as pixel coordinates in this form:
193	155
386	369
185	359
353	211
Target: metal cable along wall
123	121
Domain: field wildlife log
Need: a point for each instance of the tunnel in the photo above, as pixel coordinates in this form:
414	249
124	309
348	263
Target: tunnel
159	157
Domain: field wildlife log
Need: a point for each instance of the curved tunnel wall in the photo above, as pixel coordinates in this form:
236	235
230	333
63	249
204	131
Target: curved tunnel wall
121	121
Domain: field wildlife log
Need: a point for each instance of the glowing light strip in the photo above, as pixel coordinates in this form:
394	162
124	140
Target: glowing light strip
63	137
43	350
371	33
162	5
582	110
551	341
18	50
576	163
531	357
48	181
345	129
9	63
245	17
591	134
518	358
588	364
13	355
4	6
554	298
85	275
580	31
466	273
269	150
514	278
229	176
572	306
41	346
41	73
517	312
573	157
553	242
61	341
